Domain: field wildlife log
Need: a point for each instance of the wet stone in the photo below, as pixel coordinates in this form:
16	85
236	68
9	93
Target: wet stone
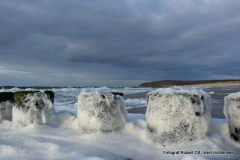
6	104
6	96
178	117
232	113
118	93
20	97
33	107
104	112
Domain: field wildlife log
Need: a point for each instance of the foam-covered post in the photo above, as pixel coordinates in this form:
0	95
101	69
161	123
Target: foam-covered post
6	104
232	113
103	112
33	107
178	117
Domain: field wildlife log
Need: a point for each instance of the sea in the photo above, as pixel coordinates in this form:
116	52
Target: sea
66	97
63	140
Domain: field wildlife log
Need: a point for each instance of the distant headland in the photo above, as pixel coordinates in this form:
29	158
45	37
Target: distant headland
169	83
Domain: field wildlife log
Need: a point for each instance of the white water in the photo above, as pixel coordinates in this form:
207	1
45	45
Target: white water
62	139
66	98
46	142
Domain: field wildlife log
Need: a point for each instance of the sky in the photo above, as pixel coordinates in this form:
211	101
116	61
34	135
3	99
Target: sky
117	42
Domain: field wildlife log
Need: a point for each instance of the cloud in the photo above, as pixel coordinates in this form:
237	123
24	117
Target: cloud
131	41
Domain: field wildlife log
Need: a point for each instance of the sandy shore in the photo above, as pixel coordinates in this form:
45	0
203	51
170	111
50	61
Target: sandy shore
218	84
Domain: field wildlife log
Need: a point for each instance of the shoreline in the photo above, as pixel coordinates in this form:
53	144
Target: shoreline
213	85
174	83
218	92
144	94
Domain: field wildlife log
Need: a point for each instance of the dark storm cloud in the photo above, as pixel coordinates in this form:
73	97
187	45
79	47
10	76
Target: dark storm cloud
118	42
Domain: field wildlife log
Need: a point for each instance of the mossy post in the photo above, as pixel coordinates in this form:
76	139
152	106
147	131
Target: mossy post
20	97
33	107
6	104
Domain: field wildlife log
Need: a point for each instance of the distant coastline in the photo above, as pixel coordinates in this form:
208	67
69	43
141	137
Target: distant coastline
170	83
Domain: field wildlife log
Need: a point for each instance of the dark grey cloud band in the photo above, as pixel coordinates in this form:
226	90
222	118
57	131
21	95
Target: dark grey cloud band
124	42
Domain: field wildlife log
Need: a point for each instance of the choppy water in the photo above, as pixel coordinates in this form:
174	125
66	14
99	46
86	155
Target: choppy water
217	94
66	97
